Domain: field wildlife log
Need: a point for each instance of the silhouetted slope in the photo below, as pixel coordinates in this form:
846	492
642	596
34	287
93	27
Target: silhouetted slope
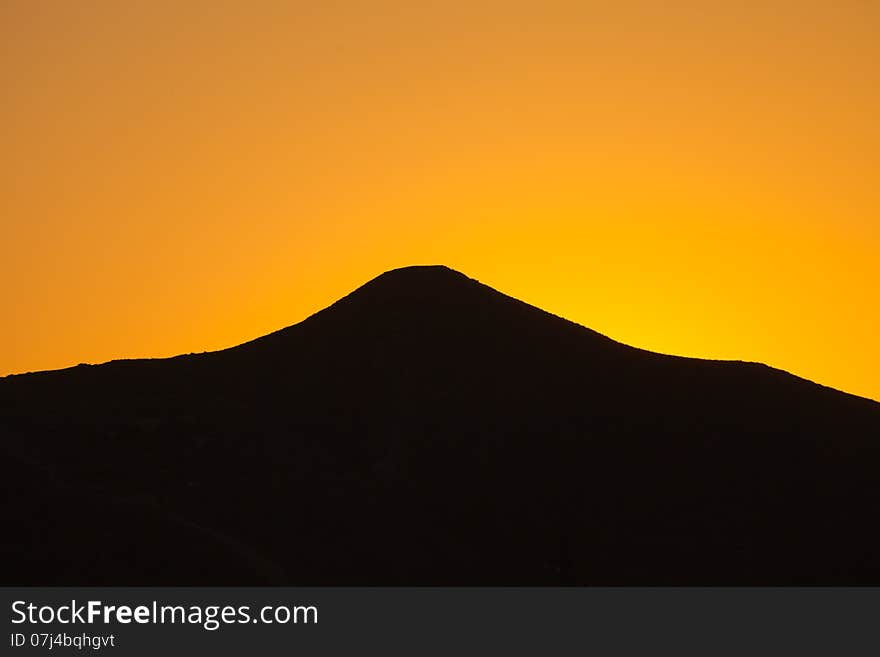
427	429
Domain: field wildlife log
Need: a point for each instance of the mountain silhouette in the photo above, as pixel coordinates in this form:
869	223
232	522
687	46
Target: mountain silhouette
427	429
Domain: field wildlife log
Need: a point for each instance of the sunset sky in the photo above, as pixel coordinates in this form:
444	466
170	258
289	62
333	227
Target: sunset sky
696	178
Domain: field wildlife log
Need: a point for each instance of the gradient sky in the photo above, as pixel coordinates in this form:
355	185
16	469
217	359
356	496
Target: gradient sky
697	178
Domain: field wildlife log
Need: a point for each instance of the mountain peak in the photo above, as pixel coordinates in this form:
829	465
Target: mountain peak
417	282
422	273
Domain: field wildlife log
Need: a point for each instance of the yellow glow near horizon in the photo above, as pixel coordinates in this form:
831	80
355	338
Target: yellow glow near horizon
697	179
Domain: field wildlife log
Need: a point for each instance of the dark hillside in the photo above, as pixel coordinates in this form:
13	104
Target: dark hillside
427	429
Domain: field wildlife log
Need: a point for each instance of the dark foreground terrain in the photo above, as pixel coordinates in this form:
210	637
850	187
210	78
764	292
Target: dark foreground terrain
428	430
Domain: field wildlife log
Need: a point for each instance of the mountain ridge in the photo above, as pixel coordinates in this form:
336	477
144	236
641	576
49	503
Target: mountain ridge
437	275
427	429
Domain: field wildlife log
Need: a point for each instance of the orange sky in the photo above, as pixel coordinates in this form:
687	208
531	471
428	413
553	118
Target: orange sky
698	178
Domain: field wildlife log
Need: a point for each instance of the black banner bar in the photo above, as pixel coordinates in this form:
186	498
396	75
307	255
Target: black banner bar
451	621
